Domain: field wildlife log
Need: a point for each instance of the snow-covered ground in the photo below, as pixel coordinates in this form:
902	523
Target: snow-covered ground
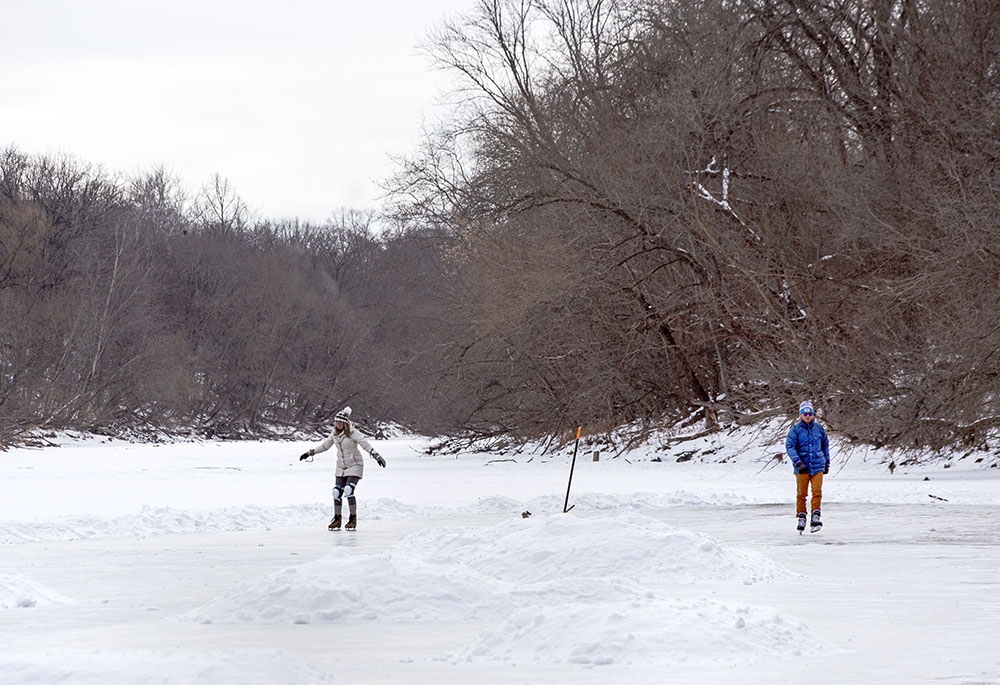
210	562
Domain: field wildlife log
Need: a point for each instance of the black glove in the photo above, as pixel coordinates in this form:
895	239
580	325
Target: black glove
378	458
827	469
800	467
306	455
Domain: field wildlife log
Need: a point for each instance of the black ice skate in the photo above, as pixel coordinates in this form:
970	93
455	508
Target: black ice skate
801	525
335	523
352	523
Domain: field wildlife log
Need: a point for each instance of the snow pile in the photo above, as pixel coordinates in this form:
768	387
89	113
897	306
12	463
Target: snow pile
20	592
565	589
557	548
367	588
641	632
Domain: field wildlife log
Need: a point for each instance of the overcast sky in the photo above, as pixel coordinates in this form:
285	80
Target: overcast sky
298	103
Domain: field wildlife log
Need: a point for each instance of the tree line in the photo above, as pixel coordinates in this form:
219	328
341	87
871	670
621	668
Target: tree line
641	212
717	208
130	308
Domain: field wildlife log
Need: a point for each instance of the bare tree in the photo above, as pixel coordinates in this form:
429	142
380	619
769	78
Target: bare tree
219	208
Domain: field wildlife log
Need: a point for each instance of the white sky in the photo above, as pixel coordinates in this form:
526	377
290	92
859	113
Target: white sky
298	103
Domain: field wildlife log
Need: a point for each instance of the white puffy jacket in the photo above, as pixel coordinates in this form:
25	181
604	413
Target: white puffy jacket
350	461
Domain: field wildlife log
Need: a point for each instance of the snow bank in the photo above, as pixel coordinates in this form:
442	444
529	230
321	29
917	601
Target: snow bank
594	501
153	521
20	592
566	588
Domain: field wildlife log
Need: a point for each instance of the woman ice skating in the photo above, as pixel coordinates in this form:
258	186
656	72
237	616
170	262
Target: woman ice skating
809	450
350	465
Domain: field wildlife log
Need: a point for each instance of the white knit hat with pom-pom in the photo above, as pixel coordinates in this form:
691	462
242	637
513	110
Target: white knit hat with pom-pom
343	415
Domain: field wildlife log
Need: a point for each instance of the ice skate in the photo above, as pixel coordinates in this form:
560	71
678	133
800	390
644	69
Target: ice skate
815	524
335	523
801	525
352	523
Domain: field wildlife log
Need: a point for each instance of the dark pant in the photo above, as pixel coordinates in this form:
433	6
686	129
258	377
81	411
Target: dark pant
344	487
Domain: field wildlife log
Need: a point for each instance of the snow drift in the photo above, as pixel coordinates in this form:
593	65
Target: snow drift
540	576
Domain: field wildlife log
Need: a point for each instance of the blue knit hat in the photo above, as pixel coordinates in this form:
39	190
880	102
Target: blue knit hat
806	405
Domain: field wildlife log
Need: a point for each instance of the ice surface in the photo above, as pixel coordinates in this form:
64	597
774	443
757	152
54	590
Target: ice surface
211	562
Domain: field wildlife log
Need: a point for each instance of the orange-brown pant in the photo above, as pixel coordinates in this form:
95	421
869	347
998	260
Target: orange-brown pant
802	482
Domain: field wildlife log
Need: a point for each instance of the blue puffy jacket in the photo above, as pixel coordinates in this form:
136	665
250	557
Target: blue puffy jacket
808	447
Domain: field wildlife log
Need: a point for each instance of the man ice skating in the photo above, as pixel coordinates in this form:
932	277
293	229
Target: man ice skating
809	450
350	465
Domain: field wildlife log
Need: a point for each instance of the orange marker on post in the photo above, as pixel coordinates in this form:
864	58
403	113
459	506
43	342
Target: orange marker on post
572	465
